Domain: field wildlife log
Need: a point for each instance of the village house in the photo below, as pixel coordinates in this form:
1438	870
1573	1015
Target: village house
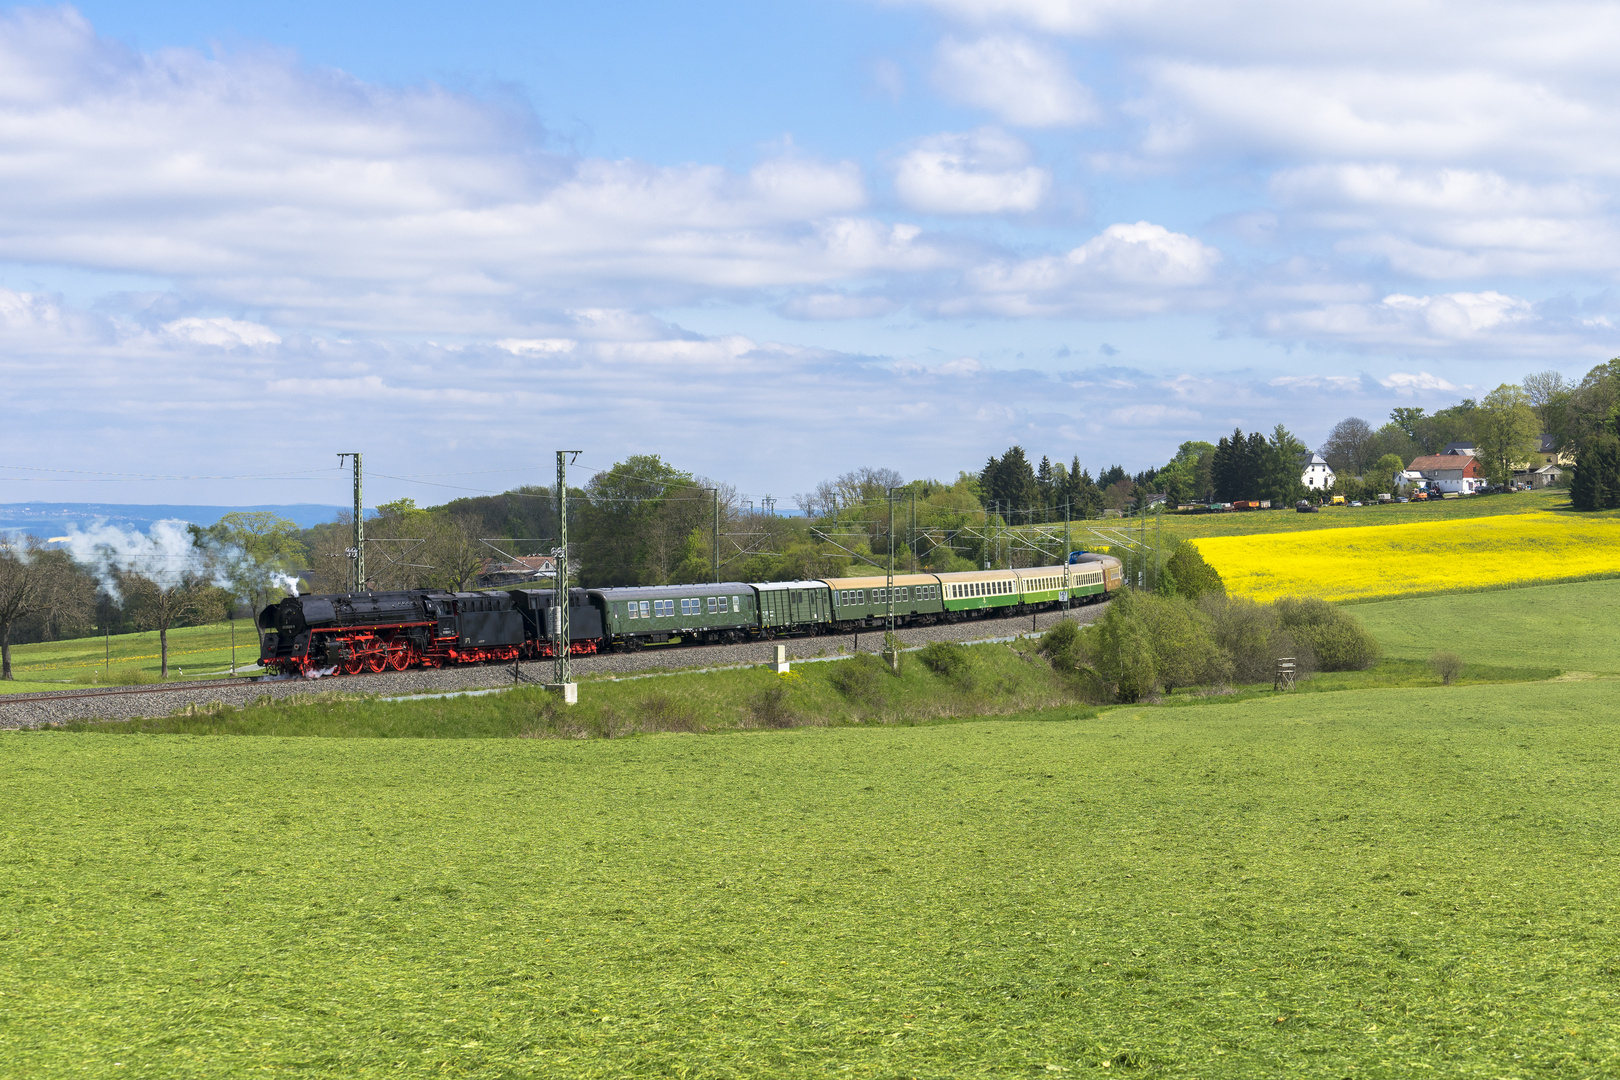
1547	453
1546	476
1449	473
538	569
1317	476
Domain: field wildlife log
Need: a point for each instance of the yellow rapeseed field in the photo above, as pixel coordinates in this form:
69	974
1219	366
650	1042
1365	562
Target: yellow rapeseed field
1391	560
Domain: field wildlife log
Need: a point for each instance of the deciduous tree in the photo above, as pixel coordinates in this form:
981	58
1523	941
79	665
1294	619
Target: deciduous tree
33	580
1506	431
257	553
161	606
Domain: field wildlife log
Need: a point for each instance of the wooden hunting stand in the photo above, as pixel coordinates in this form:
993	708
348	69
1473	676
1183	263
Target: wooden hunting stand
1285	673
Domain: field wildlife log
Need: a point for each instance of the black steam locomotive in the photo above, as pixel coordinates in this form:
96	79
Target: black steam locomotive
356	632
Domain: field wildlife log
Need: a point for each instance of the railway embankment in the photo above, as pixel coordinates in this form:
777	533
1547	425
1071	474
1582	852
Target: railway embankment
38	710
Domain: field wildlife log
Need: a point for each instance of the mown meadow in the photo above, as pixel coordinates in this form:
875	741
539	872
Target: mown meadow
1574	627
1382	883
132	659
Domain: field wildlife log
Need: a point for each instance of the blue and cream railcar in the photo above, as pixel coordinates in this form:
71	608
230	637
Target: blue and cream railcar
793	607
864	601
706	614
1111	569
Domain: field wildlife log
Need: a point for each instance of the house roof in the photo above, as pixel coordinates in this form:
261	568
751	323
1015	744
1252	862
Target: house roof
1465	448
1442	462
1316	459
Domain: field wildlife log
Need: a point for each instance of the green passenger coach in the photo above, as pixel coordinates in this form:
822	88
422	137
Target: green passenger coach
1049	584
978	592
864	600
710	614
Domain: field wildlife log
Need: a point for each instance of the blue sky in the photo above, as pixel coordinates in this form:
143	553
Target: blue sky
774	242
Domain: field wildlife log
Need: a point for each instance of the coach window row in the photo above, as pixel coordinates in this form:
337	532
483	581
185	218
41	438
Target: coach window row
691	605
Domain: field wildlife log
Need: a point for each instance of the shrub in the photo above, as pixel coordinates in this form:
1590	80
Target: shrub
1253	638
1061	646
860	679
663	713
1147	643
1190	575
1447	665
948	658
1185	653
769	708
1335	637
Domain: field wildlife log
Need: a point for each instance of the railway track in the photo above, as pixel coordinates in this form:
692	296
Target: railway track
115	691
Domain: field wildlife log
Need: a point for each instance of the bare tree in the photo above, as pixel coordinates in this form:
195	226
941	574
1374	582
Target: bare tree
857	486
1349	447
454	549
33	580
1546	390
159	607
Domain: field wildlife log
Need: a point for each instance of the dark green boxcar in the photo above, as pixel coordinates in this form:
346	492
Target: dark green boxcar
793	607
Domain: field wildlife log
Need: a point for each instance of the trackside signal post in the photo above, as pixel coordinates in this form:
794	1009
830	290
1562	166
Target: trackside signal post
562	680
357	553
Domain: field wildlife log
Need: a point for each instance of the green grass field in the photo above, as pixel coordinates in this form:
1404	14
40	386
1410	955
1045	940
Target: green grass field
1385	883
1573	627
197	651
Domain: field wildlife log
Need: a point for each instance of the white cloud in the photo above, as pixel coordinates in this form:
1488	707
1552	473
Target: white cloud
1150	416
1315	383
1415	381
223	332
1459	315
1024	83
537	346
836	305
1455	224
1125	270
1472	324
977	172
318	199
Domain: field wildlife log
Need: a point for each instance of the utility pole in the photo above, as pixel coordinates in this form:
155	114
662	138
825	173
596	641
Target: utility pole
1158	538
1141	531
358	552
716	535
1068	587
888	593
562	673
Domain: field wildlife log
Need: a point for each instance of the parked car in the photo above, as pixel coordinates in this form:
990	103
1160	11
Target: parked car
1355	502
1402	498
1306	507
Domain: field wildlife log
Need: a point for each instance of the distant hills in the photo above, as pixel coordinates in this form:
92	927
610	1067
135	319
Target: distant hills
54	519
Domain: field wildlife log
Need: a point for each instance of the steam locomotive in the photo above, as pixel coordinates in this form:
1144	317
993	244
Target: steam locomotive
378	631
